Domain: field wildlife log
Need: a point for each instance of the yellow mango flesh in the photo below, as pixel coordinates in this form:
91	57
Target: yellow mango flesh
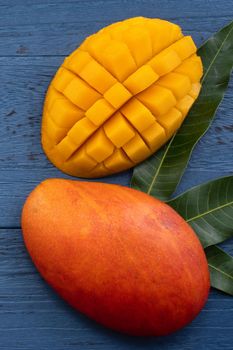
120	96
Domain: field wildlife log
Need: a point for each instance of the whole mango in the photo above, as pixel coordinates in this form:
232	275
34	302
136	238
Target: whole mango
119	256
119	97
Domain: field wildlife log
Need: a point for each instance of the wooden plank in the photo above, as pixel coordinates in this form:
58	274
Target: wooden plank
34	317
57	11
47	39
16	184
22	91
24	81
57	27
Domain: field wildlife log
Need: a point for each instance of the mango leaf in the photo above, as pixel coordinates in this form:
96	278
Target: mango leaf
221	269
161	173
208	208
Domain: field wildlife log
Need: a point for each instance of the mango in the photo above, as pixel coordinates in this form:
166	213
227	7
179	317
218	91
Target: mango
126	84
121	257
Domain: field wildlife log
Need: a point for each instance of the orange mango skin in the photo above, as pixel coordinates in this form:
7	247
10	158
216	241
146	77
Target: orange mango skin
121	257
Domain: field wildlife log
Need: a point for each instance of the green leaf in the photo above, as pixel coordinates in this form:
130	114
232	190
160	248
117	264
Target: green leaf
160	174
221	269
208	208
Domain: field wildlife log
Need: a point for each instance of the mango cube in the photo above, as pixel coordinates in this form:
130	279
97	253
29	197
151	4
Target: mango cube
117	30
54	132
99	112
158	99
137	114
118	160
185	104
154	136
136	149
135	38
77	61
64	113
141	79
184	47
80	159
118	130
99	146
83	129
163	33
171	121
66	147
191	67
97	76
117	52
120	96
165	62
82	95
117	95
179	84
62	78
95	44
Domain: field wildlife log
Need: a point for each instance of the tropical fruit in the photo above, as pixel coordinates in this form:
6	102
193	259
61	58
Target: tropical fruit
120	96
117	255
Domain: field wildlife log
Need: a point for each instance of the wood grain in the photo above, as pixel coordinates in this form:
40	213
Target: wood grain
23	163
35	36
36	318
60	39
56	27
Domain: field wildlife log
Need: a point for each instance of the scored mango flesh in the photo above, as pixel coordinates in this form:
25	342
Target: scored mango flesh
119	97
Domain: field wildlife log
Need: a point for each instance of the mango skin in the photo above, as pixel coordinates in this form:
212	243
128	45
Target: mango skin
121	257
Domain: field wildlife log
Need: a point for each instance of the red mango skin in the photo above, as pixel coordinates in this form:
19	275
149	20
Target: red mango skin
121	257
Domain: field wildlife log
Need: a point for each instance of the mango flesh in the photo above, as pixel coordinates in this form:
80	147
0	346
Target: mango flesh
121	257
140	64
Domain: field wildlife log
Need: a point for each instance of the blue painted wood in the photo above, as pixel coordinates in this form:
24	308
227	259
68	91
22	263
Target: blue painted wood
23	90
35	36
31	40
33	317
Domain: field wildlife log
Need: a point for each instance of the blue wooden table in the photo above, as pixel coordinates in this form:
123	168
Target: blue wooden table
35	36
